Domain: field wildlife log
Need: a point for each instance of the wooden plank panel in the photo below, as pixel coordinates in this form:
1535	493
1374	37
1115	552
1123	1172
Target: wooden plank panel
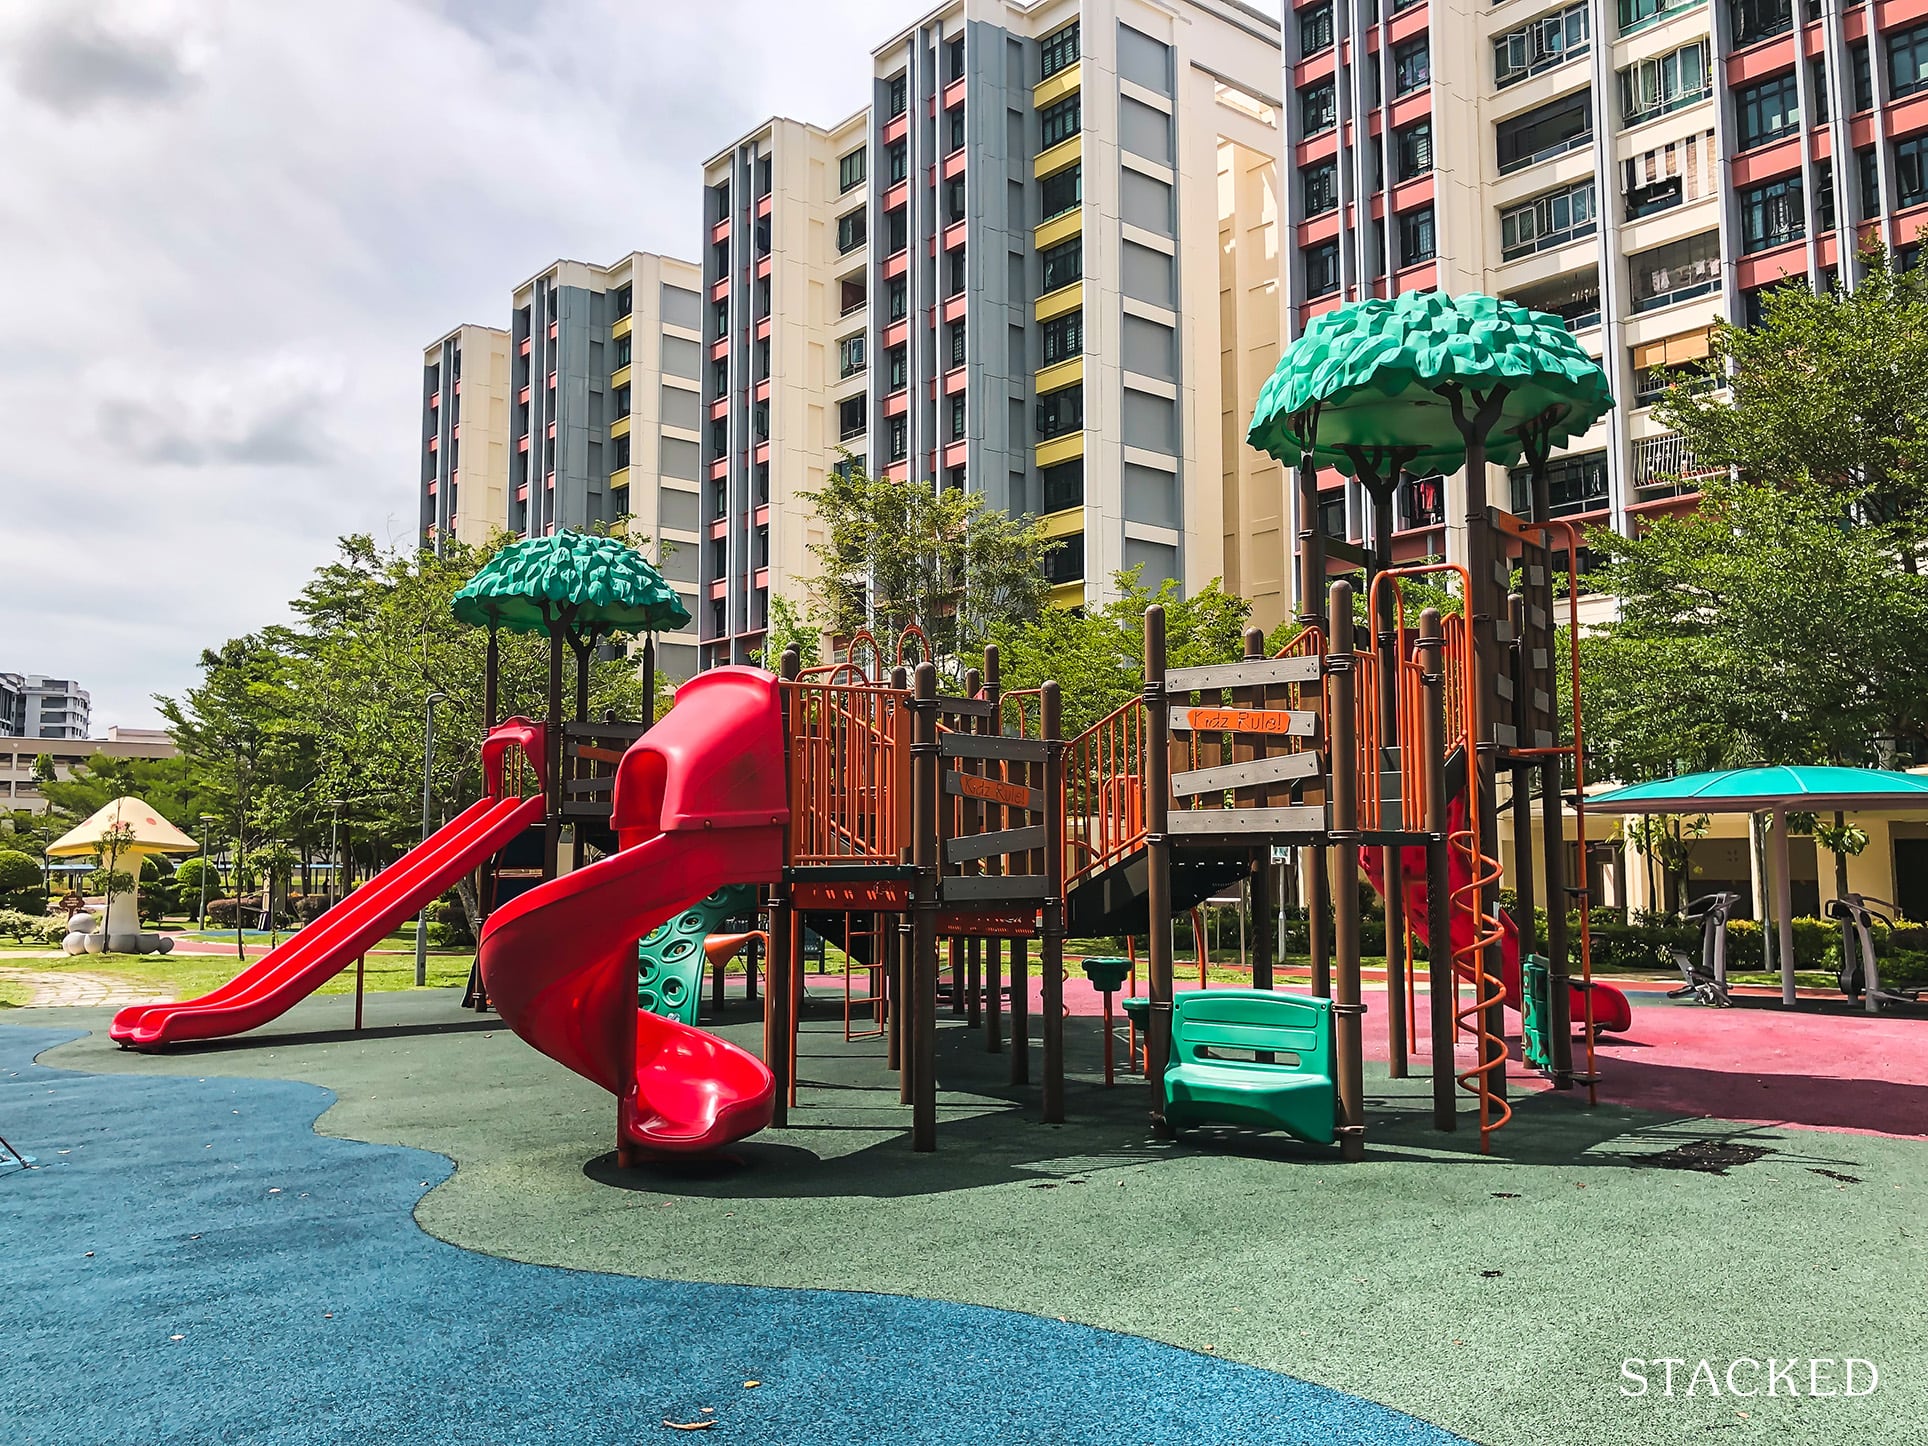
968	707
994	790
1274	722
977	745
976	888
1245	775
1243	675
994	845
1232	822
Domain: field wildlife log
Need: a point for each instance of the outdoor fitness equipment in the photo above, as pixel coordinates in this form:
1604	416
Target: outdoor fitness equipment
1860	974
1705	978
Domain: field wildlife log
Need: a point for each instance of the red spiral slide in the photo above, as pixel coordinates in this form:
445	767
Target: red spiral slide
1611	1010
700	802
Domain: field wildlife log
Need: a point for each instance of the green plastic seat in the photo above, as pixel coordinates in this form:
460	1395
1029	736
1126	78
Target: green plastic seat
1106	974
1137	1010
670	958
1254	1058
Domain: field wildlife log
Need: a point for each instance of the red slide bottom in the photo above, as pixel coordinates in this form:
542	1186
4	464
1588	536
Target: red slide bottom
700	802
313	955
1611	1010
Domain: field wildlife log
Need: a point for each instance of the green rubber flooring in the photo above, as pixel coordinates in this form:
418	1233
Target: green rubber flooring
1495	1296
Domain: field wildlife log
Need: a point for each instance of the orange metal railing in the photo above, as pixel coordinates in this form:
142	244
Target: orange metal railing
1103	792
849	750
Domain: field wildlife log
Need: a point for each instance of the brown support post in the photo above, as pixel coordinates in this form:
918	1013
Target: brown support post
1313	613
776	1003
954	963
582	648
492	681
922	1054
903	999
1050	727
552	835
1262	895
1158	863
1559	967
1347	1008
649	680
1524	919
993	948
1020	1011
1440	979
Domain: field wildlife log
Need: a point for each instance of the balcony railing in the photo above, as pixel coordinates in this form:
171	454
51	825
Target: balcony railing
1664	466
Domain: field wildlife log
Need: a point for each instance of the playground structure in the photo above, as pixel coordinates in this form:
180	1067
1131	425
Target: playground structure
912	823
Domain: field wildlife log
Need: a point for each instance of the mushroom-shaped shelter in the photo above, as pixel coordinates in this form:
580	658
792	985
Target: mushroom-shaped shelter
122	834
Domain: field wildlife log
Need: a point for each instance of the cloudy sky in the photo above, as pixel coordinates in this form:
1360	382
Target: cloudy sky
230	226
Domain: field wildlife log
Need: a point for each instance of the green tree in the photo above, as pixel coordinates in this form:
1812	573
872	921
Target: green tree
172	785
788	628
1761	627
21	883
898	553
1096	655
1830	387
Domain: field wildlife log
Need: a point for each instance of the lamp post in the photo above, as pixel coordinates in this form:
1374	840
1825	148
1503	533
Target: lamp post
428	759
334	852
202	912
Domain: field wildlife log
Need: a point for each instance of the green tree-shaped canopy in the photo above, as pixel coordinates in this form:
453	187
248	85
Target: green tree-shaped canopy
571	579
1385	374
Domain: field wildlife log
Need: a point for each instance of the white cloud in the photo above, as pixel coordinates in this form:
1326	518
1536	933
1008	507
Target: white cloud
229	228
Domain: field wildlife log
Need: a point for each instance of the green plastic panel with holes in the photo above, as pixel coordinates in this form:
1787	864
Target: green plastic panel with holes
669	974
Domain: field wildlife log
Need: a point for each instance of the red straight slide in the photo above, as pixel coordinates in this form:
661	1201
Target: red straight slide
1611	1011
700	802
313	955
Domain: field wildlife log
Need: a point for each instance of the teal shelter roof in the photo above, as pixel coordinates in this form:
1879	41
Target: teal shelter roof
1756	790
604	581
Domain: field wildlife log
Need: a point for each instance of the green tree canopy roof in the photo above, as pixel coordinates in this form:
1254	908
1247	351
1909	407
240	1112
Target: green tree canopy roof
1381	374
601	583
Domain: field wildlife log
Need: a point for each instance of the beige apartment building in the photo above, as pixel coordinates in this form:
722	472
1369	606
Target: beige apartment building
465	404
1014	271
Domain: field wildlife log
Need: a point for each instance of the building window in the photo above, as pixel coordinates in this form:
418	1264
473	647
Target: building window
896	230
762	478
1907	61
897	368
1422	502
1061	412
1911	171
850	171
1545	131
1058	50
1868	173
625	306
1767	111
954	200
957	343
1639	14
954	124
896	299
1416	236
624	350
1061	121
1758	19
1549	41
762	176
1573	484
622	402
1863	77
1415	150
1318	108
1322	269
719	436
957	416
1062	264
1550	220
851	417
1654	87
954	57
760	421
1061	191
720	319
1824	199
763	545
1675	272
717	623
896	439
850	231
1062	485
719	497
958	273
850	356
761	360
851	296
1315	28
898	95
896	162
719	557
720	202
1818	88
1319	188
1772	214
1412	66
1063	337
1066	562
619	452
1574	299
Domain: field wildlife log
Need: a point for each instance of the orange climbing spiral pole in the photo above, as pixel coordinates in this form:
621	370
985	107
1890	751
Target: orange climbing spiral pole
1483	872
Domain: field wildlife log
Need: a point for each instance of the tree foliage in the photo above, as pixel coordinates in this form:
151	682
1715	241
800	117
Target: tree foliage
898	553
1830	388
1763	627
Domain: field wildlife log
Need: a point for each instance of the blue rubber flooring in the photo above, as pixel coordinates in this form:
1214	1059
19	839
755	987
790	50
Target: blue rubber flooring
190	1262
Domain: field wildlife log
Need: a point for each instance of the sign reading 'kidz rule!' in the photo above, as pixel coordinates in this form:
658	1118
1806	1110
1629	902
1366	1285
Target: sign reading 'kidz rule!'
1278	722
